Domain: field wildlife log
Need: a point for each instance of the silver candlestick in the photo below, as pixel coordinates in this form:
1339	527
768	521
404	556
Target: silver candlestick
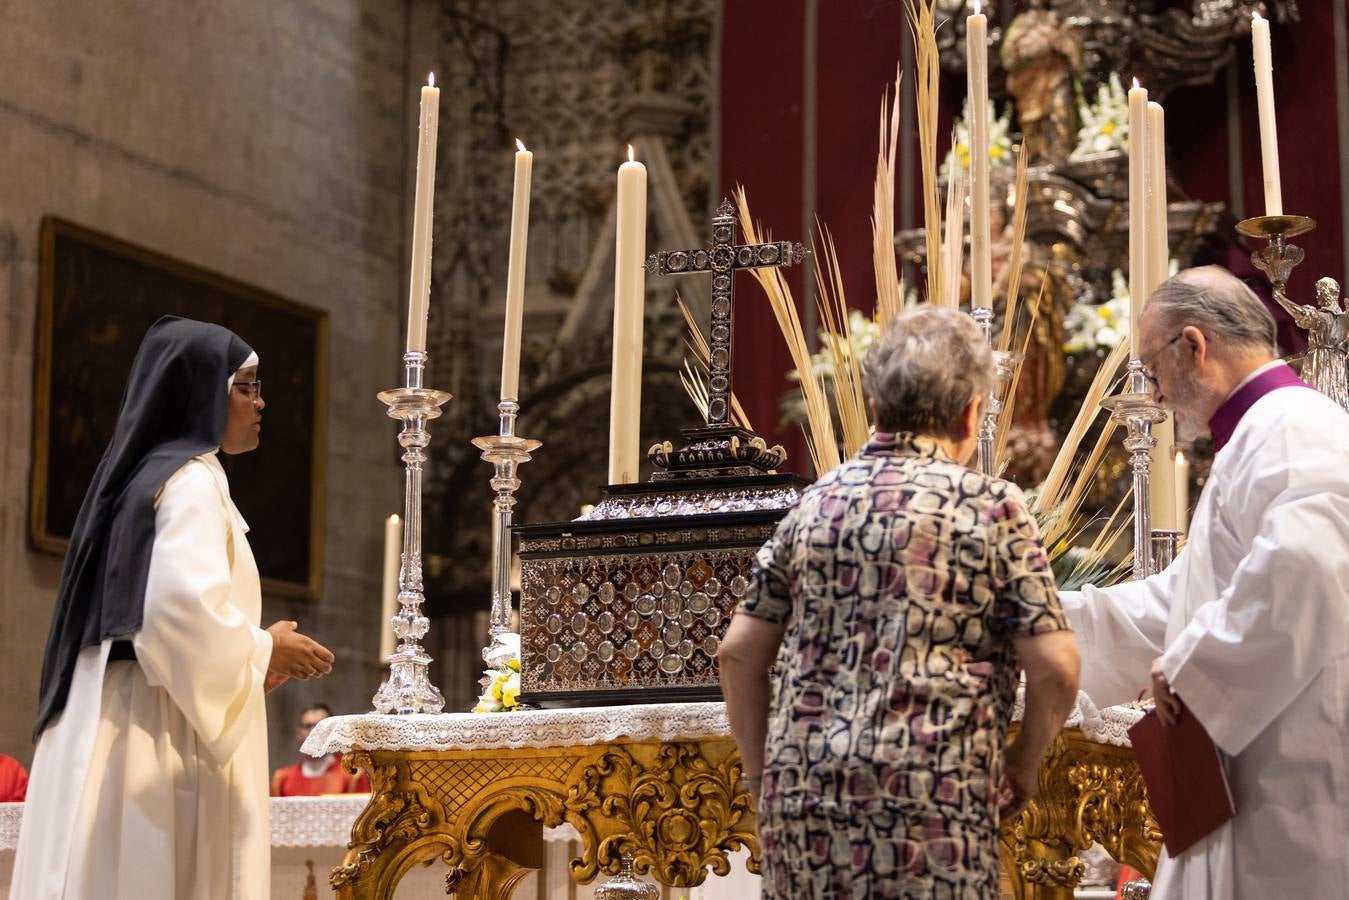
506	453
1135	409
1004	366
408	688
988	426
1277	258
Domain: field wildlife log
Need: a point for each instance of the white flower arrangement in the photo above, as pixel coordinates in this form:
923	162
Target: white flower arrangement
999	140
501	682
1089	327
1105	123
863	332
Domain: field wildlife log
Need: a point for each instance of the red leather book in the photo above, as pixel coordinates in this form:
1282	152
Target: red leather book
1185	776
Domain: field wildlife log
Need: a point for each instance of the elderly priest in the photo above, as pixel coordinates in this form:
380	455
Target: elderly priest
1249	627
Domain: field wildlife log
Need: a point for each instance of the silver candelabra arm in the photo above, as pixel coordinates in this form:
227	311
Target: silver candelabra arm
1278	257
408	689
506	452
1135	409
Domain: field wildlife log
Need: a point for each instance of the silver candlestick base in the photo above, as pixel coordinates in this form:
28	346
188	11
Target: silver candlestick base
1135	409
506	452
408	689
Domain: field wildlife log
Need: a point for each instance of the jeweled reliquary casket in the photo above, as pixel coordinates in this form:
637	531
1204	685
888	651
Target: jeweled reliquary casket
629	603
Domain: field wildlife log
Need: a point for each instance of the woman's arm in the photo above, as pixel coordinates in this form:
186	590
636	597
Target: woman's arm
747	653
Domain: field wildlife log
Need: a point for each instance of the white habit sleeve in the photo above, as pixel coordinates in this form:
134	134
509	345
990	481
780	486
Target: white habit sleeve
1246	655
1120	631
194	642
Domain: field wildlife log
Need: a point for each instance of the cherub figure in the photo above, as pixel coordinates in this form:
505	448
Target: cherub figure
1326	364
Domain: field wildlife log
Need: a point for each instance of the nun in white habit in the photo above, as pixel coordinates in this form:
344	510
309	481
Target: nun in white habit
149	780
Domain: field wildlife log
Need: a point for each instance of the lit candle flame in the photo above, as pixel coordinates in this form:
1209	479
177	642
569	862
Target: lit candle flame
431	79
1136	84
630	154
1255	14
393	519
978	7
519	145
1180	457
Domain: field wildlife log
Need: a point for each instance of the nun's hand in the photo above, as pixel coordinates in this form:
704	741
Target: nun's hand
297	656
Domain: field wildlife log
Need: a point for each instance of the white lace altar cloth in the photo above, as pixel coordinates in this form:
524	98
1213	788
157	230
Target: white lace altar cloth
602	725
514	730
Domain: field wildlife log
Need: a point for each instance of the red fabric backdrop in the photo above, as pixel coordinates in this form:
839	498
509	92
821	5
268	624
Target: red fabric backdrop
763	71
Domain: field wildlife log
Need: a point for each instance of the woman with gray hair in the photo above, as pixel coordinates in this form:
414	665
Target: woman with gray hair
896	600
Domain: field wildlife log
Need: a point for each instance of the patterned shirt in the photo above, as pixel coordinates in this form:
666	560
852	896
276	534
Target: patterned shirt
902	577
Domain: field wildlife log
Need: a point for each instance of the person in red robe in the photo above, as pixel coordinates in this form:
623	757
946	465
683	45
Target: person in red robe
13	780
312	776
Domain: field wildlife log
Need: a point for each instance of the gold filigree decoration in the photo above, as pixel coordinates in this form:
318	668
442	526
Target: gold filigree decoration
683	814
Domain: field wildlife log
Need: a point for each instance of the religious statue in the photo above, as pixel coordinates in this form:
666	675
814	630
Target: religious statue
1041	54
1326	363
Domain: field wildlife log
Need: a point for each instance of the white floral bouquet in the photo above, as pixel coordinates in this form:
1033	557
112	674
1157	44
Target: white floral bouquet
1089	327
863	331
501	682
999	141
1105	123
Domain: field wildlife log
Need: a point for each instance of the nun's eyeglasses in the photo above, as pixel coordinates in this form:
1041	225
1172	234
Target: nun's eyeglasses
250	389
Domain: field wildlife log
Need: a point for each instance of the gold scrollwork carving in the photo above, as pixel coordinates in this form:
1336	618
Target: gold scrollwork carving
682	813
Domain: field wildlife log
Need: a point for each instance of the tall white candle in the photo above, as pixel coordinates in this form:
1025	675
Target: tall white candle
419	283
625	400
1138	248
1269	129
393	554
1182	492
1162	479
981	259
515	274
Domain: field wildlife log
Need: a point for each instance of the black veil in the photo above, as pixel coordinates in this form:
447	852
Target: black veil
174	407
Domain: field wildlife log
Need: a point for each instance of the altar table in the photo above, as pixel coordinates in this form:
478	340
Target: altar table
660	783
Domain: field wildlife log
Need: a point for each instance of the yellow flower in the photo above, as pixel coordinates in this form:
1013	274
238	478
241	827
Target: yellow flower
1108	128
995	152
510	692
513	664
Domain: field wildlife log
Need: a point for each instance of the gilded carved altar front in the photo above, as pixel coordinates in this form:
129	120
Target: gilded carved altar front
677	809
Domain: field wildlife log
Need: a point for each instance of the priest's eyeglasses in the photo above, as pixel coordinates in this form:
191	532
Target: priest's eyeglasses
250	389
1152	357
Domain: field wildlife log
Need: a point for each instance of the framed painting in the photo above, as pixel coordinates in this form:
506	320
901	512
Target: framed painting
97	297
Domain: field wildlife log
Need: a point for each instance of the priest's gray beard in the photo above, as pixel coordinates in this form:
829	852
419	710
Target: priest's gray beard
1181	401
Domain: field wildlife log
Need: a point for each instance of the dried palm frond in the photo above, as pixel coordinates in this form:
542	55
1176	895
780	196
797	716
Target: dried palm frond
1055	483
1016	255
849	399
889	288
1003	435
694	380
953	243
927	63
819	431
697	343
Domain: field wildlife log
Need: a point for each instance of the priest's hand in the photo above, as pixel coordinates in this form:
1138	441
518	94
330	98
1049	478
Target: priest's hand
295	655
1168	704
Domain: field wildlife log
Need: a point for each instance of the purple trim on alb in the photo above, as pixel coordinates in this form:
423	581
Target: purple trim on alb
1225	420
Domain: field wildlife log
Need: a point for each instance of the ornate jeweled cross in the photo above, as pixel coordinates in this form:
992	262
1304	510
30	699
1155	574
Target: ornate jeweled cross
720	447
